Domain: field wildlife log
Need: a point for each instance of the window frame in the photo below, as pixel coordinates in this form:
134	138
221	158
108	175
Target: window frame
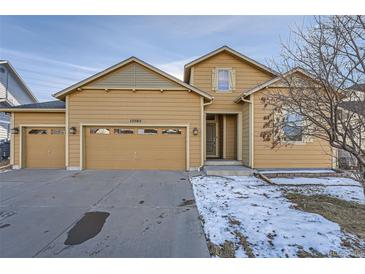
128	131
57	131
178	131
38	129
139	131
301	125
229	89
97	128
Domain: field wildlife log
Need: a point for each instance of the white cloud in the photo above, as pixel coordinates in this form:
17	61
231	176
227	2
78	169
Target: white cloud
176	68
49	61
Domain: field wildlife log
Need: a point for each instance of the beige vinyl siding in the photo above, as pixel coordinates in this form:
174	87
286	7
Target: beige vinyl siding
314	154
246	75
134	75
245	134
33	118
231	137
121	106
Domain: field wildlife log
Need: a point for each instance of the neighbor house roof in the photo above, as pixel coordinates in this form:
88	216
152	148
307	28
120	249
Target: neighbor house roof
269	82
57	106
61	94
19	79
239	55
5	103
354	106
358	87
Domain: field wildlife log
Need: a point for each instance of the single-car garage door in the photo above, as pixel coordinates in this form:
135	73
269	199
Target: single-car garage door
44	147
135	148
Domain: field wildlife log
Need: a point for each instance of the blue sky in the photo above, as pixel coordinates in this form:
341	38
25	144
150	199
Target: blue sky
53	52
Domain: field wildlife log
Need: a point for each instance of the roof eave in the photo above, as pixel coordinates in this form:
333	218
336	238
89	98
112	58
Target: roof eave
19	78
32	110
232	51
62	94
270	82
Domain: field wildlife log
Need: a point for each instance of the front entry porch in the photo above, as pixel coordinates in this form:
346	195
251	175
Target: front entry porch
223	145
222	137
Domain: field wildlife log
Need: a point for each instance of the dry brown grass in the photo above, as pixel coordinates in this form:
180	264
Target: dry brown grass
227	250
349	215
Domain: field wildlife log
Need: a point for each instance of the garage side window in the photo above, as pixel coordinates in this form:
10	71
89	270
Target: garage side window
57	131
171	131
147	131
122	131
38	131
101	131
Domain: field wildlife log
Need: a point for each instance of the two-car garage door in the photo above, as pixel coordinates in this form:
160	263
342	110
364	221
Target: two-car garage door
161	148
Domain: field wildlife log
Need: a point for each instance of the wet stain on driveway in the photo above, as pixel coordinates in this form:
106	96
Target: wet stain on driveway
5	225
86	228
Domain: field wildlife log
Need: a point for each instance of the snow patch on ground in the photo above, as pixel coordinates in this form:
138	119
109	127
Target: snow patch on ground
297	171
342	188
316	181
260	212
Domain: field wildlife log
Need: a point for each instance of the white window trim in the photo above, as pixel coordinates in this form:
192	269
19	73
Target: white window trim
229	90
290	142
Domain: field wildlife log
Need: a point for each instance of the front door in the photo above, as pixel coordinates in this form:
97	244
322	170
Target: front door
211	132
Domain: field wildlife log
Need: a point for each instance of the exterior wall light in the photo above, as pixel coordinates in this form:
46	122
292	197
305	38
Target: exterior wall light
15	130
72	130
195	131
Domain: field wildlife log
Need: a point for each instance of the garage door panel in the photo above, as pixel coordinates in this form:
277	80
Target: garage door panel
43	148
135	151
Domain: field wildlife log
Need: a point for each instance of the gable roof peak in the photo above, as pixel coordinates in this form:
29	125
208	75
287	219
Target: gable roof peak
19	79
62	94
233	52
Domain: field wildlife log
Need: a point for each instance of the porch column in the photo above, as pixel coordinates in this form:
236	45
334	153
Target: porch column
239	136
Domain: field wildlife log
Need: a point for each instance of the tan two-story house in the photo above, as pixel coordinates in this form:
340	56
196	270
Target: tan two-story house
135	116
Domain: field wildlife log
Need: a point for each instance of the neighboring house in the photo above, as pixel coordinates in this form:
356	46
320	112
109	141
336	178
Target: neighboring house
135	116
359	92
13	91
345	159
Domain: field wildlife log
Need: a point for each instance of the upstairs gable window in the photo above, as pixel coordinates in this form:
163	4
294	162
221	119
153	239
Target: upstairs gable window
223	80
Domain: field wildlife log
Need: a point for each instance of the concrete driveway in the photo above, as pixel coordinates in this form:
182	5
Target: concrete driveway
58	213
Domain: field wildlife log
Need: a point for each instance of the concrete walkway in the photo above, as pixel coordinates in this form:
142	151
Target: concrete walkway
58	213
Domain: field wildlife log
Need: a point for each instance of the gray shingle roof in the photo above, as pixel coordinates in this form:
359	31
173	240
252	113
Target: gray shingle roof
354	106
359	87
4	104
43	105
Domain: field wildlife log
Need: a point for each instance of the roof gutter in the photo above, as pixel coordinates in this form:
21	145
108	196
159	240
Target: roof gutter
9	110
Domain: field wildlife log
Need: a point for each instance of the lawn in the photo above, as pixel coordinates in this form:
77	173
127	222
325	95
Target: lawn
302	217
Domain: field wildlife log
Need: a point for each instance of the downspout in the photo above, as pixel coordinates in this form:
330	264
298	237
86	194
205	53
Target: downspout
245	100
209	103
203	129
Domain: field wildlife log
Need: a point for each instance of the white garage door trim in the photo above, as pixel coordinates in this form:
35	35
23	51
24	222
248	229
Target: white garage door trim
82	138
21	133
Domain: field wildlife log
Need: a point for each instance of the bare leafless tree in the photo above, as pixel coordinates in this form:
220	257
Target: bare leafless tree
330	53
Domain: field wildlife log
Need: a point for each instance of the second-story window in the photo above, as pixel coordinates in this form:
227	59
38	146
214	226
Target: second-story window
223	79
